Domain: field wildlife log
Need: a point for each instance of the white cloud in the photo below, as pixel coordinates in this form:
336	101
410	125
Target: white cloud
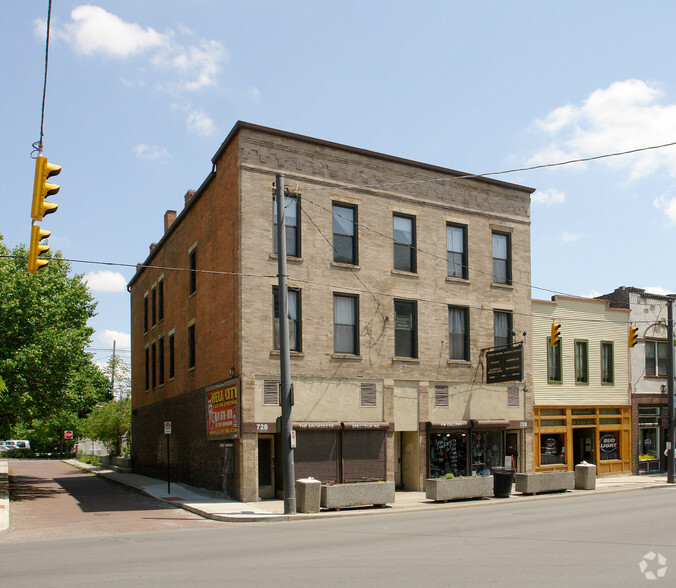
657	290
624	116
548	197
592	294
569	237
668	206
95	31
151	152
106	281
200	123
106	338
197	66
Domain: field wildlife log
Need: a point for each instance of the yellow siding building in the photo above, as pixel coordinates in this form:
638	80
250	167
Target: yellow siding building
582	403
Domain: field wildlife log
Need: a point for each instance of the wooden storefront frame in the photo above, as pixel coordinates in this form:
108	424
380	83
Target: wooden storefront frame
596	418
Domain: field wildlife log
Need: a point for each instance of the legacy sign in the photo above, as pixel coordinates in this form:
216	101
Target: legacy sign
504	365
223	411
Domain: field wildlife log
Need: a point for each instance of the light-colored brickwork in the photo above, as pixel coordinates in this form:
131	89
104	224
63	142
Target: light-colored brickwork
232	223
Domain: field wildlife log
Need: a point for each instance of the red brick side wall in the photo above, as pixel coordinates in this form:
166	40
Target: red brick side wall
211	224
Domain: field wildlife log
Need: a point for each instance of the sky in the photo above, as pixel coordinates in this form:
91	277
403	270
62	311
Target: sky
141	94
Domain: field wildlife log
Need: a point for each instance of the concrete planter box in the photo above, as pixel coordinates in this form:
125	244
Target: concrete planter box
443	489
358	494
545	482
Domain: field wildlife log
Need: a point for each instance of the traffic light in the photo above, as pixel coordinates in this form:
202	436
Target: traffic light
633	335
556	333
35	262
42	188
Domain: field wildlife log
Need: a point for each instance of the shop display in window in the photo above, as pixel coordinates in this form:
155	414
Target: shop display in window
486	452
448	454
552	449
610	446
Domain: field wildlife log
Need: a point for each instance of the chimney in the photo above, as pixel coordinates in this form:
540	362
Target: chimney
152	246
188	196
169	218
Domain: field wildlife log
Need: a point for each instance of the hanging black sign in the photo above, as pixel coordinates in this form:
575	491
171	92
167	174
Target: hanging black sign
504	365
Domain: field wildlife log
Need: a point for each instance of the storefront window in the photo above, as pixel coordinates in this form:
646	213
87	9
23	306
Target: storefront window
647	444
448	454
486	452
610	446
552	449
648	435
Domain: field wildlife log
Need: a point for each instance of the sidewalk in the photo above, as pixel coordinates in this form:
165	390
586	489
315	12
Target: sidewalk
212	506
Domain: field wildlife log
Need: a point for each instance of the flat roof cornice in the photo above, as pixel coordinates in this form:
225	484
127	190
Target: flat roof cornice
241	125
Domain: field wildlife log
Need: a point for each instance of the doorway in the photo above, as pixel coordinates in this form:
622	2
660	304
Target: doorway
266	465
512	449
583	446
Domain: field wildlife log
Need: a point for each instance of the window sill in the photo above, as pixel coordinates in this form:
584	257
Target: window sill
396	272
501	286
350	266
275	353
452	280
289	258
413	360
346	357
463	363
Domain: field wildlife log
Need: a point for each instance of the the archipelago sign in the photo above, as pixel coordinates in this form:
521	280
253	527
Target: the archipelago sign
504	364
223	411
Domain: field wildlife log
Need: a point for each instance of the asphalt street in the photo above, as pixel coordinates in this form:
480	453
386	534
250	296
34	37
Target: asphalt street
611	539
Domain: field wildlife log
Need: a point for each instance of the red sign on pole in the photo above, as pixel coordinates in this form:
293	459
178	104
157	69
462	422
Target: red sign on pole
68	434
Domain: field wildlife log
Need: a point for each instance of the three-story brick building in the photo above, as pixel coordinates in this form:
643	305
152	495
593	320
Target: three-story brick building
400	276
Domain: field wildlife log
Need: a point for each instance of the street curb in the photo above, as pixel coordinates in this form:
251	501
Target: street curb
4	495
421	506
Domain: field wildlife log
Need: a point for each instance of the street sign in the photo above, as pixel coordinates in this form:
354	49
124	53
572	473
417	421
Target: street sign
68	434
167	427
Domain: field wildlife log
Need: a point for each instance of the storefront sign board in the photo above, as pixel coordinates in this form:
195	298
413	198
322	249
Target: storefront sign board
504	365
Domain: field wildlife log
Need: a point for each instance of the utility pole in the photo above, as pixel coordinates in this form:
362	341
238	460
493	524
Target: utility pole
670	387
112	374
284	353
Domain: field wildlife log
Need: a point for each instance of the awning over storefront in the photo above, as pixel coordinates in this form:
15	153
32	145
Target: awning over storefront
489	423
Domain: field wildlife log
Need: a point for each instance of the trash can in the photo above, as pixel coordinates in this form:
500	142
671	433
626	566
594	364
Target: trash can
502	482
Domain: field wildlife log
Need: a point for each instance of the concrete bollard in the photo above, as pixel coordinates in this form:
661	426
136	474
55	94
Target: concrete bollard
585	476
308	495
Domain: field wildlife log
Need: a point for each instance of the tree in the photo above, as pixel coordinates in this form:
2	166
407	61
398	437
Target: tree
43	337
109	423
119	374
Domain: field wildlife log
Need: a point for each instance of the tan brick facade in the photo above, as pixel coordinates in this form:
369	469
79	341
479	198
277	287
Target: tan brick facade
229	221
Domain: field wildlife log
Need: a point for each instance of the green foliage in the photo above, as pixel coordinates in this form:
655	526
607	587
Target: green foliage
450	476
90	459
46	434
43	337
118	372
109	423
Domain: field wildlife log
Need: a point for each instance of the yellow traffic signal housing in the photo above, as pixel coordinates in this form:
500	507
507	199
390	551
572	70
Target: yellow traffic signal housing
633	336
35	262
556	333
42	188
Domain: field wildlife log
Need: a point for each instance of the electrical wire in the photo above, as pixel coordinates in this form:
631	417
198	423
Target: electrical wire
38	146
